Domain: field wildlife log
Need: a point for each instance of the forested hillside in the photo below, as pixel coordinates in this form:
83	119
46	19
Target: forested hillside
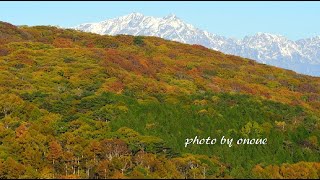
82	105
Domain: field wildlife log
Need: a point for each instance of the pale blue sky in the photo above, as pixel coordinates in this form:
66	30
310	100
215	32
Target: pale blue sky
295	20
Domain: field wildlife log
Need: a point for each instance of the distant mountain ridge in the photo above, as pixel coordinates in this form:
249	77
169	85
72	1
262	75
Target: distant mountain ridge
302	56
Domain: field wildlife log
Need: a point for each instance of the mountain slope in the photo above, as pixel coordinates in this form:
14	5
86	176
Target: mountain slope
82	105
301	56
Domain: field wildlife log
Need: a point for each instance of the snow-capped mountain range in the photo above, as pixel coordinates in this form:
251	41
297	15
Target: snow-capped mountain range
302	56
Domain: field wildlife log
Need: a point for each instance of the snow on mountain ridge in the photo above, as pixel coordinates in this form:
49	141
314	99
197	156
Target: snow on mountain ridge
302	56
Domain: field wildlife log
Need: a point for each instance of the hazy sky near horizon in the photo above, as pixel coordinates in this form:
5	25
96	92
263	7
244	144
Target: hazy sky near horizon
295	20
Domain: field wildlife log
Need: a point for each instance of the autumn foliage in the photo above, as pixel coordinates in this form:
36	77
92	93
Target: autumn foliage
82	105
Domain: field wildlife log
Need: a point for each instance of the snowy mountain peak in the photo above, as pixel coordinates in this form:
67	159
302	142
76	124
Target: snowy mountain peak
267	34
267	37
171	16
302	56
134	15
